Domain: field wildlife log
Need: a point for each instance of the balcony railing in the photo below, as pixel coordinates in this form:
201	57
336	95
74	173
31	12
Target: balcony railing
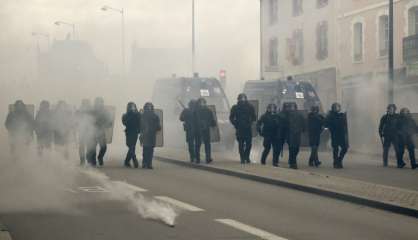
410	49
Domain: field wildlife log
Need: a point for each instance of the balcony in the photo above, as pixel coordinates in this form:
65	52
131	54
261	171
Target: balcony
410	49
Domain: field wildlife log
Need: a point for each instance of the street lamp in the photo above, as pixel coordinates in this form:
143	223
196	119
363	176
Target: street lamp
58	23
391	71
193	40
37	35
121	11
45	35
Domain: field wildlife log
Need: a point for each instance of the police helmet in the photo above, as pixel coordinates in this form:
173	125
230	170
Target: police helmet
148	106
405	111
336	107
242	97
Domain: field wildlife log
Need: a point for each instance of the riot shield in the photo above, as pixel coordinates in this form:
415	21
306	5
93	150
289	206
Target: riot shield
255	104
109	131
215	135
347	139
415	117
29	107
160	134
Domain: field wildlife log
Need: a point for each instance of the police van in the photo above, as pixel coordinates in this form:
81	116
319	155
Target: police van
281	91
173	94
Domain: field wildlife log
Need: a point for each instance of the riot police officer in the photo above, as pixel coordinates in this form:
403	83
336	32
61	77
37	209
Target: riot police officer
267	128
204	121
85	130
388	133
132	122
295	127
315	128
407	129
43	127
20	126
63	126
101	121
242	117
188	118
336	122
150	125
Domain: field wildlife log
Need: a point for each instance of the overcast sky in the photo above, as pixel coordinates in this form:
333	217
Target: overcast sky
227	30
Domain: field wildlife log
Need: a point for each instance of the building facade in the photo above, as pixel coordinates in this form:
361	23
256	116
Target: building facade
342	47
363	40
298	38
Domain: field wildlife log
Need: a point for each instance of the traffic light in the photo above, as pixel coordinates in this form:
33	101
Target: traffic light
222	77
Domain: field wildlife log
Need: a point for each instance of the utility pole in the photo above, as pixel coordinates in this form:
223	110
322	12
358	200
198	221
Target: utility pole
391	72
193	40
122	12
261	41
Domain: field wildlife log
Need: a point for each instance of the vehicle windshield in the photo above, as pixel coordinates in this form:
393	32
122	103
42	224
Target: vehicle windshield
208	89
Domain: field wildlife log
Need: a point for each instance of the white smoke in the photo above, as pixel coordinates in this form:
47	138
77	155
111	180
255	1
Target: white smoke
147	208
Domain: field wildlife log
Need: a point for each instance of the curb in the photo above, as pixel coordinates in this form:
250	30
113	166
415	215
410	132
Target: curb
4	233
309	189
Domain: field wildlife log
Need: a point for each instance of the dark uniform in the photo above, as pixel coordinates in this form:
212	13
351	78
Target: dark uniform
267	128
407	129
84	121
43	127
204	121
63	125
388	132
336	122
188	118
295	127
315	128
242	117
150	125
20	126
101	121
132	122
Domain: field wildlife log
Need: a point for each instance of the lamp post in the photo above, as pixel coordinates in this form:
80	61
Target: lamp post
45	35
38	50
122	12
193	40
391	71
59	23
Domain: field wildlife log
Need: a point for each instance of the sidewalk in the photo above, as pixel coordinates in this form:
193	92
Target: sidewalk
366	187
4	234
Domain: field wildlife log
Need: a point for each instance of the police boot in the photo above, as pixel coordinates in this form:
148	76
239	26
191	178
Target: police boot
317	163
127	163
293	166
136	164
311	163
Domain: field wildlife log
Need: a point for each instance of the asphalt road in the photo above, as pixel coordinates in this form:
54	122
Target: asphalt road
232	208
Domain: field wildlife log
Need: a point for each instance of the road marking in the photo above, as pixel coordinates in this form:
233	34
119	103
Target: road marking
93	189
70	190
132	187
249	229
179	204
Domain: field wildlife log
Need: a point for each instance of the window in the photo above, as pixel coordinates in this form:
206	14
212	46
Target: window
383	35
273	7
273	52
413	20
297	7
295	48
358	42
322	41
321	3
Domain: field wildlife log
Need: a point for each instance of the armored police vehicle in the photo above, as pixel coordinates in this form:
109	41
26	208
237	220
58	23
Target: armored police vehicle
281	91
173	94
